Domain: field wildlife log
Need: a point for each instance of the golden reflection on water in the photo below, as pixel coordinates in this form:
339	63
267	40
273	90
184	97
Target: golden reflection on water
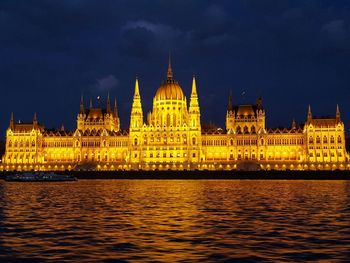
175	220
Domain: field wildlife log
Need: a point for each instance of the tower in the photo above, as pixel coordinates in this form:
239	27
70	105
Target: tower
115	108
82	110
12	122
35	121
194	111
260	113
108	104
230	116
337	114
136	118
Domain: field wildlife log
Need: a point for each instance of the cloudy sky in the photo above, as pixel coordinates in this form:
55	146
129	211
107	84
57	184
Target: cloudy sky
292	53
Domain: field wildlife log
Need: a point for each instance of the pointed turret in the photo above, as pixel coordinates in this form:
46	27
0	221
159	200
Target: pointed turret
115	108
259	103
294	124
230	116
136	118
62	127
230	103
35	120
137	89
337	115
309	114
12	122
194	87
194	110
82	105
108	104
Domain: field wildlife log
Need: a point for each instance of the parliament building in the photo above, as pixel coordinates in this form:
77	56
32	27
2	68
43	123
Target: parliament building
171	137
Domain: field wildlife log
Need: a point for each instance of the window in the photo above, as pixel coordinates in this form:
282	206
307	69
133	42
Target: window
311	140
245	129
339	139
135	141
325	139
332	139
318	139
193	141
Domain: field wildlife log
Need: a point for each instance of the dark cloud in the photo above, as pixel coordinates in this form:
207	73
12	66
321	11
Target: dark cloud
291	52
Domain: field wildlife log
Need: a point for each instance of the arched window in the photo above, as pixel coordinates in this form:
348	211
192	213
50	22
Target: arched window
339	139
318	139
252	129
332	139
311	139
10	143
325	139
168	120
238	129
245	130
231	142
193	140
135	141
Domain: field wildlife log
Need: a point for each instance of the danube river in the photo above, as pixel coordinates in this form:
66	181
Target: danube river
177	220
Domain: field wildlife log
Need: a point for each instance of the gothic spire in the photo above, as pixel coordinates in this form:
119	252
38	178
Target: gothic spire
337	115
115	108
259	103
108	104
170	70
90	103
309	113
230	103
137	89
12	121
82	104
136	118
35	120
194	86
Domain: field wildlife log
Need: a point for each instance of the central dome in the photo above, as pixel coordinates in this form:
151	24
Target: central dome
170	89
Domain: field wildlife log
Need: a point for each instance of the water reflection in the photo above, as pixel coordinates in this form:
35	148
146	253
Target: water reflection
175	220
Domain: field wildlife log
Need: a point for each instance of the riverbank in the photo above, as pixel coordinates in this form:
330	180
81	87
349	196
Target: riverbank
209	175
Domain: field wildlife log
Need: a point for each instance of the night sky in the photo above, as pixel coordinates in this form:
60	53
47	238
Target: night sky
292	53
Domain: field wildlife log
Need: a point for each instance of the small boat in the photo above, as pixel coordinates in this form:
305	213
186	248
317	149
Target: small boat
39	177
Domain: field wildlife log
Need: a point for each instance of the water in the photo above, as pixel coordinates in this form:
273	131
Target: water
130	220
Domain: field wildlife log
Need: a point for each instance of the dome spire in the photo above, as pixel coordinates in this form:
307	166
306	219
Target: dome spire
170	70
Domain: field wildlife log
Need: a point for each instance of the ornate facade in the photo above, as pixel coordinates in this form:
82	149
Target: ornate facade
173	138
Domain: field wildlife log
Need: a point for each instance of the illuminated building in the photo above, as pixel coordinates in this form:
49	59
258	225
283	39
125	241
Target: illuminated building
173	138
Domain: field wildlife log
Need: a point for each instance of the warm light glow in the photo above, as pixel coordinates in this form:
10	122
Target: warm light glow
173	138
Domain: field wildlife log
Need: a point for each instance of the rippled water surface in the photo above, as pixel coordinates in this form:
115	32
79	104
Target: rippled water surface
131	220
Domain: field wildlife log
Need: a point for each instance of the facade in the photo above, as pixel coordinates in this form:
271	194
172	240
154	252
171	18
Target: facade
172	138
